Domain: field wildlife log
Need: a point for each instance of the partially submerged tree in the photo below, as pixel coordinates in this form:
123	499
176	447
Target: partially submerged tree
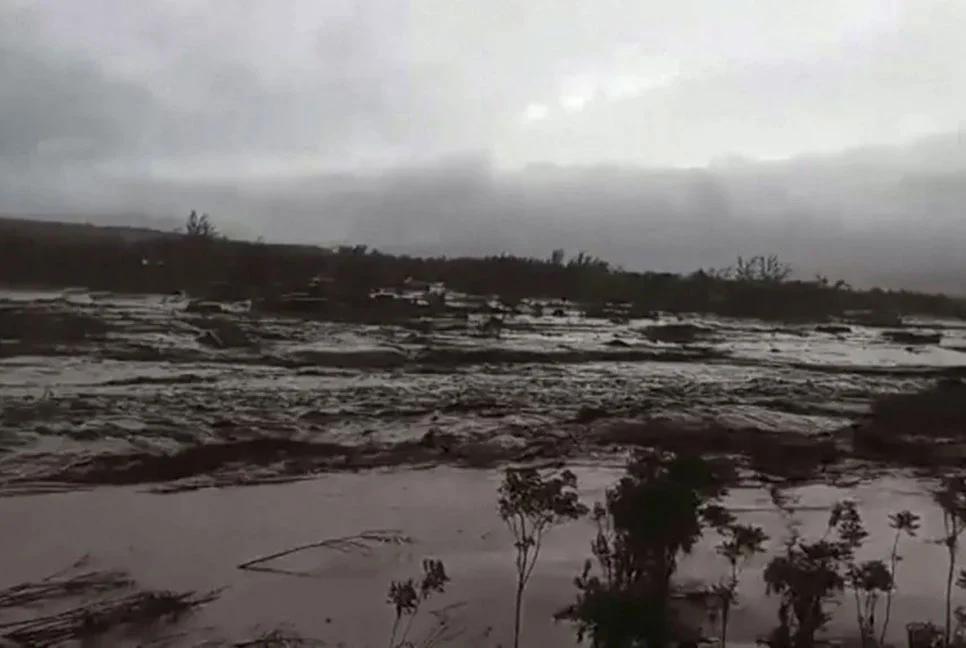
868	580
805	577
655	514
531	504
903	522
959	614
951	498
407	596
808	576
740	543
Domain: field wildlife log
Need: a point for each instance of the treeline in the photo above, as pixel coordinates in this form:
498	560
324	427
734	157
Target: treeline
199	258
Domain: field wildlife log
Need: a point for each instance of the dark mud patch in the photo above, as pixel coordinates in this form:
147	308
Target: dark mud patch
41	328
939	410
589	414
874	318
51	323
912	337
30	410
375	358
833	329
270	460
620	352
205	459
890	371
777	455
677	333
177	379
925	428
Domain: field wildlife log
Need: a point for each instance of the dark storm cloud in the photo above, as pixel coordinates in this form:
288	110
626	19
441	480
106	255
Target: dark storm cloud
57	110
217	84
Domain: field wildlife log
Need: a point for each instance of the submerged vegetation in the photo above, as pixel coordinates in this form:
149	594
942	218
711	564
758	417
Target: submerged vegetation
655	514
629	593
92	604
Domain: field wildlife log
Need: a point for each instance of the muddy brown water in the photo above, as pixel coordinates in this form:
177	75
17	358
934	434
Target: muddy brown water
151	382
197	539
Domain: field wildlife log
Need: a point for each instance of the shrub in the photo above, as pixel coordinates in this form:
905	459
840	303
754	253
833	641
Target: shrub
739	544
530	505
805	577
407	597
951	498
654	514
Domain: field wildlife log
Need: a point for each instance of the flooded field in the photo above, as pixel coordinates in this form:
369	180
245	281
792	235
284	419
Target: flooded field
196	541
153	437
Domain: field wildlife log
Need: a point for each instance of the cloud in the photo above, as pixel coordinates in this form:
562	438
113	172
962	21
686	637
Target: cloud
899	83
208	85
195	91
54	110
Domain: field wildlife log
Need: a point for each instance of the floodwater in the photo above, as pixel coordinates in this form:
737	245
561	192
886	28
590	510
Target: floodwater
197	539
84	378
148	375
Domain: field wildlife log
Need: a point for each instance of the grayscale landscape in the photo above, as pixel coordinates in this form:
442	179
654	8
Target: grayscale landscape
370	324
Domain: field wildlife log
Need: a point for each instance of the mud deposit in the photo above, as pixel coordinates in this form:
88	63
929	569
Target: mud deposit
141	401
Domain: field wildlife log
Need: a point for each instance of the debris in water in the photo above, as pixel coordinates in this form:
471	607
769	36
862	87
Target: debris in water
361	543
113	604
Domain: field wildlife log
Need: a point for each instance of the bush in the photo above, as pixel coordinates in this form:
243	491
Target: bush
530	505
656	513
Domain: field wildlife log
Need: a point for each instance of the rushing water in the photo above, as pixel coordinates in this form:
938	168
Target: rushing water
150	384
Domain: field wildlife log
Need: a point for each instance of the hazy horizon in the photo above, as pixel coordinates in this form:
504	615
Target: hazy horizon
642	133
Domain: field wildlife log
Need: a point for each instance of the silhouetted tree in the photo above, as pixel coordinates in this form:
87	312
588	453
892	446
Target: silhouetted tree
764	269
530	505
199	226
655	513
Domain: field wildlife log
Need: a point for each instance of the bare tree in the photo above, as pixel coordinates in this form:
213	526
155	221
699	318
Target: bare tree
199	226
763	269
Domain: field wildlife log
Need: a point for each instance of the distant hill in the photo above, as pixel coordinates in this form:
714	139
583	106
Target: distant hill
53	229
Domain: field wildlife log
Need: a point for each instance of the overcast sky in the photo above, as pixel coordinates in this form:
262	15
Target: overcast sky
222	88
